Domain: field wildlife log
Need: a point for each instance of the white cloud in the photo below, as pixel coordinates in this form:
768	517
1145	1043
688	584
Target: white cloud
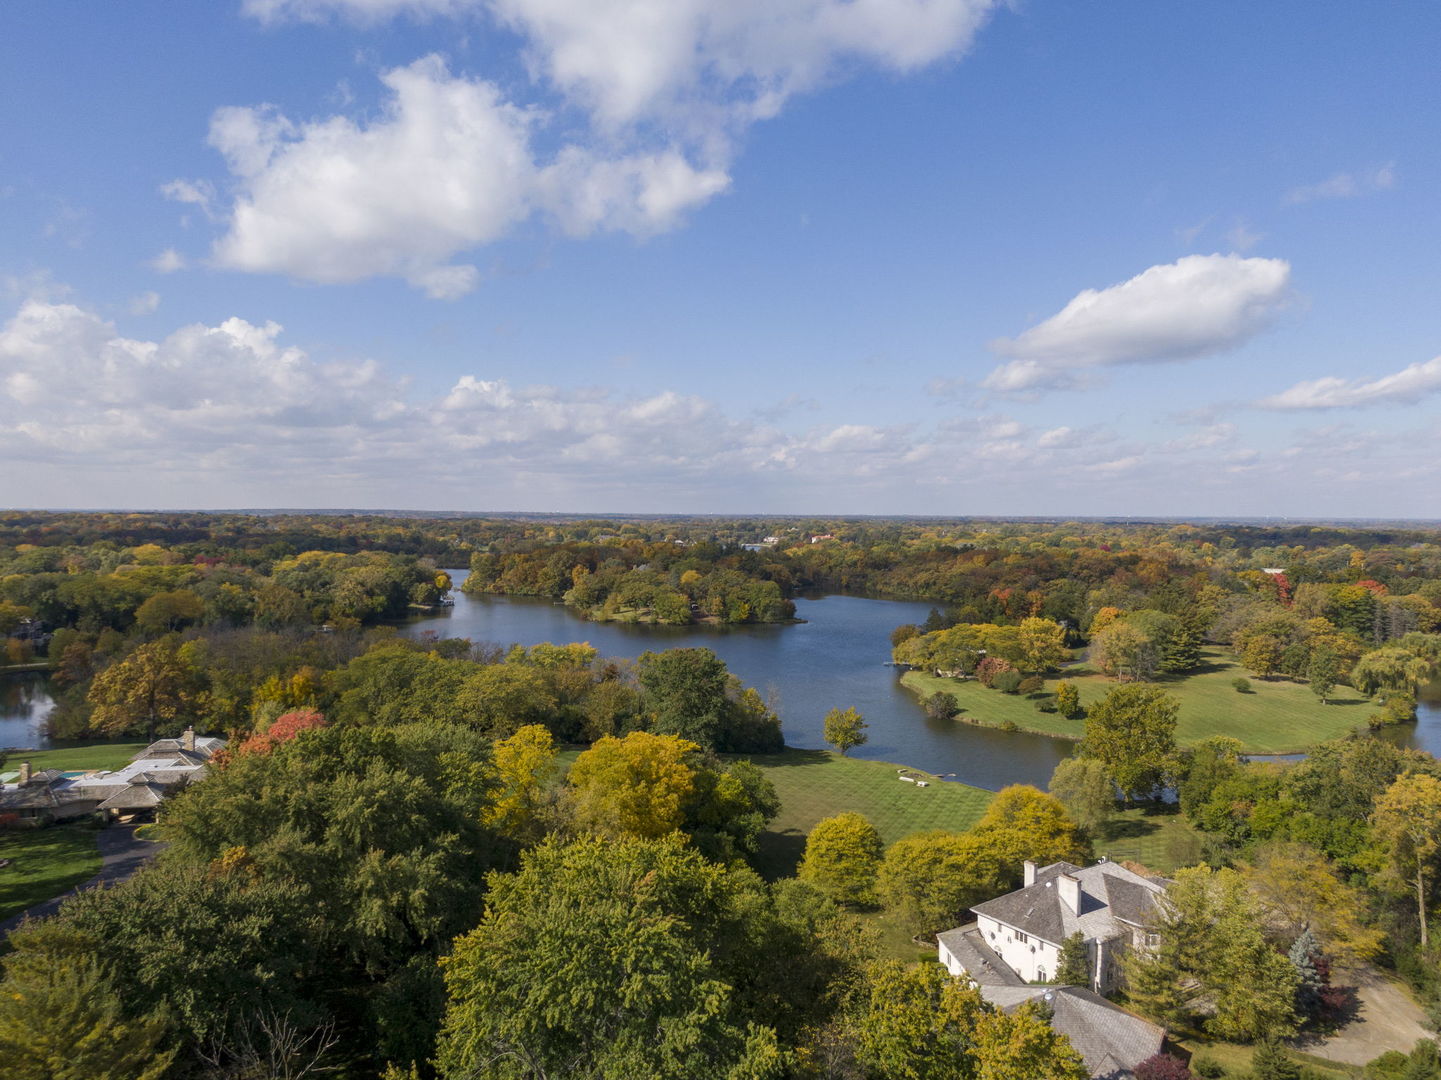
1345	185
1406	386
451	164
167	262
145	303
1196	306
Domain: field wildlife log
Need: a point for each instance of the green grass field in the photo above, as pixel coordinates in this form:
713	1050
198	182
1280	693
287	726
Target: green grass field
78	758
46	862
1277	717
816	784
1160	841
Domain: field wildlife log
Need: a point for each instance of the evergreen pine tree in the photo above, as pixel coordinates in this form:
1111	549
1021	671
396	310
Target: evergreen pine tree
1075	966
1183	651
1303	955
1272	1061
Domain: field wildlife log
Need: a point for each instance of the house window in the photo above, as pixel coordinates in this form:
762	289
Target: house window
1022	938
1152	940
1040	974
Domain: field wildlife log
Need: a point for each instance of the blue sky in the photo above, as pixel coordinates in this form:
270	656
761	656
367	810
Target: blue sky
853	256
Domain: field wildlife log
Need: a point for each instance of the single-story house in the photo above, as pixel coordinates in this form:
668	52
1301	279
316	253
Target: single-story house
162	768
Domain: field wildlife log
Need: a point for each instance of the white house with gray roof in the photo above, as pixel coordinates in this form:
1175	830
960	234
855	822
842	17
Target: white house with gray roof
1017	938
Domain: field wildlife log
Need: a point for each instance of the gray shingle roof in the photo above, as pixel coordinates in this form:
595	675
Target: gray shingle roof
1109	893
1110	1040
979	959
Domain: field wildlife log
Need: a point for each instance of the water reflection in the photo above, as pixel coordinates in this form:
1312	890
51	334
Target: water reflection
836	658
25	704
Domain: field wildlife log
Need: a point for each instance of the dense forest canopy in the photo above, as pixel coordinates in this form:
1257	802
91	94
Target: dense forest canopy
435	857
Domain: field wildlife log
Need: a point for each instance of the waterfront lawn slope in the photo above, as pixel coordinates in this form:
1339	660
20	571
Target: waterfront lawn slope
816	784
107	756
1276	717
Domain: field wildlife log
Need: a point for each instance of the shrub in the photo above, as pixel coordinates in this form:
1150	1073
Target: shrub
1031	684
1045	705
1010	725
1068	700
1241	685
1163	1067
989	668
942	706
1207	1067
1008	682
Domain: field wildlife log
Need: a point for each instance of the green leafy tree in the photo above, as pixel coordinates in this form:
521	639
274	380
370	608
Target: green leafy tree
1074	968
1023	823
1323	672
1132	730
1022	1045
919	1023
1083	786
155	685
844	729
1068	700
1272	1061
842	856
929	880
685	694
1407	820
636	786
525	764
1041	645
598	958
61	1016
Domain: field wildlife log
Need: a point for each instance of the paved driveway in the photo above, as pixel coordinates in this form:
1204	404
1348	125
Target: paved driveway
1386	1019
121	854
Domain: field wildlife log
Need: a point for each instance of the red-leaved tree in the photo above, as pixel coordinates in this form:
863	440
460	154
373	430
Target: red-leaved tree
1163	1067
281	730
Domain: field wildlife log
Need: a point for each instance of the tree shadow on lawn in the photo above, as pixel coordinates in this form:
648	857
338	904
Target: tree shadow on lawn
779	853
790	756
1128	829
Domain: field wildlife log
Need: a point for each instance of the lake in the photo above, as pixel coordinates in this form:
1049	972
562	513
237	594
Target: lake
836	658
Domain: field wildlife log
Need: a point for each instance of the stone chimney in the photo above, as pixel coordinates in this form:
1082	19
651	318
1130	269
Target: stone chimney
25	772
187	739
1069	887
1028	872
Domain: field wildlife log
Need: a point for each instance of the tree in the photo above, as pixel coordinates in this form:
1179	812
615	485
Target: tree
1132	730
282	729
524	765
1300	893
919	1023
1261	654
844	729
1211	949
1042	645
1407	820
1084	788
167	611
1022	1045
842	856
929	880
1068	700
1272	1061
636	786
685	693
605	959
1163	1067
61	1017
1322	672
1126	652
1023	823
154	685
1074	968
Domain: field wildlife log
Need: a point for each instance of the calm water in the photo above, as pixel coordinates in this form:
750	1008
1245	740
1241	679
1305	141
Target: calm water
834	659
24	704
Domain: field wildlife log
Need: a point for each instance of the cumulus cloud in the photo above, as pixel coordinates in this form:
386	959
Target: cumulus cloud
209	411
1407	386
1196	306
452	163
1345	185
167	262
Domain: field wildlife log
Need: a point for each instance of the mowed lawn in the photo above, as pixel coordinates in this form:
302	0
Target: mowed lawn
78	758
1275	717
44	863
1162	842
816	784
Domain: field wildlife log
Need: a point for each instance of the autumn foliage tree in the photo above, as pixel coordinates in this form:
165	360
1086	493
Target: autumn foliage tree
155	685
281	730
842	856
